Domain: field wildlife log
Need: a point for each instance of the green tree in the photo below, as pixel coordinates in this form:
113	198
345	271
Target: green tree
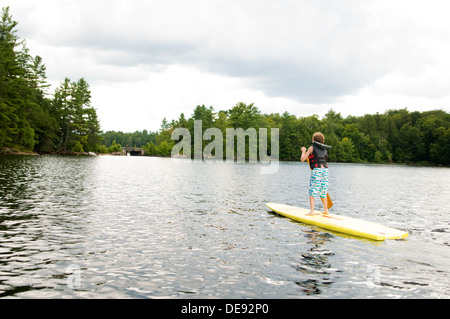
362	146
345	151
411	143
115	147
377	157
14	128
206	115
92	130
244	116
165	148
29	119
440	148
77	118
290	137
150	149
78	147
331	126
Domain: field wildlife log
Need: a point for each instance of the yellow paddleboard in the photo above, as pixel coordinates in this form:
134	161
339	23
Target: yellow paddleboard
341	224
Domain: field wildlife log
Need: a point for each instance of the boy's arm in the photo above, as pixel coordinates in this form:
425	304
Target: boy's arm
305	154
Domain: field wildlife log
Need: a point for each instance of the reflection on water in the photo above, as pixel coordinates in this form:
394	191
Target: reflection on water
314	263
127	227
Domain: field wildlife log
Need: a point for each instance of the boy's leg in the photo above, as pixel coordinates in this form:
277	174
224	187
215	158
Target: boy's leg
324	190
325	206
311	204
314	187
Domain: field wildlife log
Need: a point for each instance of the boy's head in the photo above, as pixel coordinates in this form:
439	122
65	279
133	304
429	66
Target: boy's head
318	137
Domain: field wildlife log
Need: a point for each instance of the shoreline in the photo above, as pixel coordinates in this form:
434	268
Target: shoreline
8	151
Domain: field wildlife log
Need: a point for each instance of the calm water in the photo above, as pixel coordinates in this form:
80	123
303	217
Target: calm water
140	227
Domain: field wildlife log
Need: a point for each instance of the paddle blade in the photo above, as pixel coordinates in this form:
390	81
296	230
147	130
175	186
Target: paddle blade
329	202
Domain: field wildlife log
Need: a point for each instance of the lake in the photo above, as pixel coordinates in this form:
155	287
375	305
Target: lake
144	227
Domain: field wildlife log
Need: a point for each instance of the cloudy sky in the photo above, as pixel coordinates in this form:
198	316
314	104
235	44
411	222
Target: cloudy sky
150	59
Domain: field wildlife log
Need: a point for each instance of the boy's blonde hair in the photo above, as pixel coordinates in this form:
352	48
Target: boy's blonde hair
318	137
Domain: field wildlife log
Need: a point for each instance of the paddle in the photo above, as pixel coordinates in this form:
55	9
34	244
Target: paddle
329	202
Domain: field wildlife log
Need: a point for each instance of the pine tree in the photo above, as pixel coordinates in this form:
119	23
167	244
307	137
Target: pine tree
29	119
78	120
10	74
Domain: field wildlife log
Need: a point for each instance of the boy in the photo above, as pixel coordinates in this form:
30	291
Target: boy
317	155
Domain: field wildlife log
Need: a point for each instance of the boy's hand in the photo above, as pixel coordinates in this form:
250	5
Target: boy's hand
303	149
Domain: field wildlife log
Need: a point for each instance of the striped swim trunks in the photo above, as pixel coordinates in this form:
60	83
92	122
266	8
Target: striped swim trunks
318	182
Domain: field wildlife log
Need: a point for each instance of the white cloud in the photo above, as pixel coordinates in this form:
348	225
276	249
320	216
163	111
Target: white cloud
176	89
146	60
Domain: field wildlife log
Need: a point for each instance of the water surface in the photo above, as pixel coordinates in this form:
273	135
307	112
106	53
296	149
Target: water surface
142	227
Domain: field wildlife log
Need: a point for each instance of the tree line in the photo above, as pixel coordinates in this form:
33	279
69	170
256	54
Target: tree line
397	136
30	118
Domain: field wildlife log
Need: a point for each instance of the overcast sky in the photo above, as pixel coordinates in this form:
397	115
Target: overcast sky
150	59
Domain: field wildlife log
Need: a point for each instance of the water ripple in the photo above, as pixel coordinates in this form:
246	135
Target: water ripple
121	227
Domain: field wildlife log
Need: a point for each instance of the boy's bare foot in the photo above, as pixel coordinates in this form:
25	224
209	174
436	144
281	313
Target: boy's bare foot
325	213
310	214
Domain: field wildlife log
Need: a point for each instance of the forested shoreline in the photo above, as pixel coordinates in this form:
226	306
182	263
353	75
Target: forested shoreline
32	119
397	136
